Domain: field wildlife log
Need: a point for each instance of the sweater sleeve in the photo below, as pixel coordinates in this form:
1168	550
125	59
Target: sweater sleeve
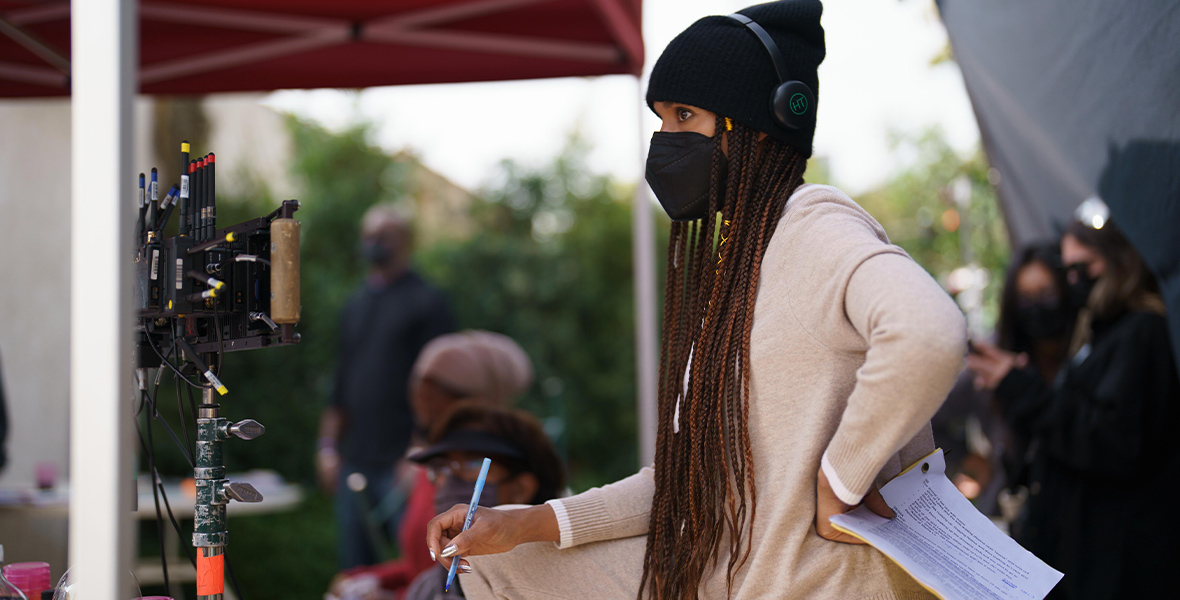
916	338
617	510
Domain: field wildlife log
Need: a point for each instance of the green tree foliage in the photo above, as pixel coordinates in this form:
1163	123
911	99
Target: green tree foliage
920	213
551	267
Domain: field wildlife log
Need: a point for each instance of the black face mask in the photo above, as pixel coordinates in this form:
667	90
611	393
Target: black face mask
1042	321
456	491
679	169
376	253
1079	291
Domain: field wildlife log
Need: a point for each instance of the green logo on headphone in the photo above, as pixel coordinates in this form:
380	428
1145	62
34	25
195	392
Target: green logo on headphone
798	104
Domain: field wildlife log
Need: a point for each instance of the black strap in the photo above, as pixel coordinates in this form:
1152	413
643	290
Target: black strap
776	57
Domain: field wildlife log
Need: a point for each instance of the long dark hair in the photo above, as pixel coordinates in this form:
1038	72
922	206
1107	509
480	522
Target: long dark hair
1010	335
704	475
1127	283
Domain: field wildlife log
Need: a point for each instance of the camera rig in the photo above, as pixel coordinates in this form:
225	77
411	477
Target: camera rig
200	293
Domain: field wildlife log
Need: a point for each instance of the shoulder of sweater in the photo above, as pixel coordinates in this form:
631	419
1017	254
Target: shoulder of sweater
824	206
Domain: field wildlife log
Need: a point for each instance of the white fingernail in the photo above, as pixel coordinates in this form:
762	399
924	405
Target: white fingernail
449	550
464	568
432	556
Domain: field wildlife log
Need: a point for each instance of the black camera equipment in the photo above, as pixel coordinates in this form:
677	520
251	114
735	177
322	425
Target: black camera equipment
198	294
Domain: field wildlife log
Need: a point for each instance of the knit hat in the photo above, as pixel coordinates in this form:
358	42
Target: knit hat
478	364
719	65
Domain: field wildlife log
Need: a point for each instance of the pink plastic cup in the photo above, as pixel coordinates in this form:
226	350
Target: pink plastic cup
30	577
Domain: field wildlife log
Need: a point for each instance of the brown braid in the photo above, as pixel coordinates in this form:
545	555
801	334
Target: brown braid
704	475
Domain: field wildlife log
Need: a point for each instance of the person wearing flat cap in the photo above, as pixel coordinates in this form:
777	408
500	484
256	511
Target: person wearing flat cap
468	368
803	357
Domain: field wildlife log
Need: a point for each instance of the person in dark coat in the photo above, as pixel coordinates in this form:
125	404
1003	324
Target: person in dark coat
367	426
1106	466
983	455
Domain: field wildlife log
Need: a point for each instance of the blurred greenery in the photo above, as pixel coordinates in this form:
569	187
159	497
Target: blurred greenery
550	265
918	209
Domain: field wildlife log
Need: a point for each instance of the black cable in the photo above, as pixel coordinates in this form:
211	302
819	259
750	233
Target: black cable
233	581
156	411
187	549
192	405
180	413
173	367
220	346
150	451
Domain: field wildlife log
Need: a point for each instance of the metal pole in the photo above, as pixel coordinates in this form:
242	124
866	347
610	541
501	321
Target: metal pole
647	350
209	527
104	55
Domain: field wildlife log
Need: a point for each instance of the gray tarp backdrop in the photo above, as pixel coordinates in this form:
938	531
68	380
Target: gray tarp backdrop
1080	98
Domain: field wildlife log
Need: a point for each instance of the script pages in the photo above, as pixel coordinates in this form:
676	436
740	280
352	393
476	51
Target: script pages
945	543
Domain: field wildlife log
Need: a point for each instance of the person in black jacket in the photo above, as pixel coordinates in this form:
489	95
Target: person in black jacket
983	455
367	426
1106	468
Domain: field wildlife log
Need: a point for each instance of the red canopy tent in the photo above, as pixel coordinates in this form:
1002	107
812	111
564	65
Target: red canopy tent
118	47
189	47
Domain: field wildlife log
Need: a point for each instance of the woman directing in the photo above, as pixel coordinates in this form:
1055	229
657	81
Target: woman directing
802	358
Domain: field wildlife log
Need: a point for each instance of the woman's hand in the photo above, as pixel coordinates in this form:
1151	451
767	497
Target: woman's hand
492	531
828	504
991	365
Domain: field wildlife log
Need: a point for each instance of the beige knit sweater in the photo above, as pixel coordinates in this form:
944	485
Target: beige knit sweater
853	349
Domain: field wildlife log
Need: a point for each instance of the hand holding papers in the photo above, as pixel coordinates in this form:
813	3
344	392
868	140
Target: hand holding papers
945	543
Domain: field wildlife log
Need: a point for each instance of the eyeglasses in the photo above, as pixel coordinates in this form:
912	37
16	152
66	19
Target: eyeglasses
467	470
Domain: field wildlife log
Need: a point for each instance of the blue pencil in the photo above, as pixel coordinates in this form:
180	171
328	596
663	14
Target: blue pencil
483	475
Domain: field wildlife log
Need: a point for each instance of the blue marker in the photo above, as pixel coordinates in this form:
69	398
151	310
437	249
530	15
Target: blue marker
483	475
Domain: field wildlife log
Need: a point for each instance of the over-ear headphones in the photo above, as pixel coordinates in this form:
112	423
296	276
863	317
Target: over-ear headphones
793	102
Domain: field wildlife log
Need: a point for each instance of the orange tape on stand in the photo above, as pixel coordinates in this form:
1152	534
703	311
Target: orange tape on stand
210	574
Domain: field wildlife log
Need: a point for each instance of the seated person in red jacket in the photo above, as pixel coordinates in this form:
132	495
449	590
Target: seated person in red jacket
469	366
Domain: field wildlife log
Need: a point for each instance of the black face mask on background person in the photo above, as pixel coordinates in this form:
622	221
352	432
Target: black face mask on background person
1079	291
376	253
456	491
679	171
1042	321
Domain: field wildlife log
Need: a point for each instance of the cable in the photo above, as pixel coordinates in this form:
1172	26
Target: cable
187	549
233	581
183	427
150	451
172	366
251	258
156	411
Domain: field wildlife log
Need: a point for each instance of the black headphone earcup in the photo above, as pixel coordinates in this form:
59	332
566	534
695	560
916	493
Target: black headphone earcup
793	105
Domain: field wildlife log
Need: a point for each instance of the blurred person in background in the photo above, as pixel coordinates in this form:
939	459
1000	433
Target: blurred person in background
367	426
983	455
525	470
469	368
1105	458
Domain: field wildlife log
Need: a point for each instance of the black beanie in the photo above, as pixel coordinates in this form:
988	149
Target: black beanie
719	65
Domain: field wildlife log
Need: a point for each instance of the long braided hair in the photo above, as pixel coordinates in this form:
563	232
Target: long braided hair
704	475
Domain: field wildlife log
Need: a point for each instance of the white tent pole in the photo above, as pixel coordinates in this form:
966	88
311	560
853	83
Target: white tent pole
104	43
643	255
